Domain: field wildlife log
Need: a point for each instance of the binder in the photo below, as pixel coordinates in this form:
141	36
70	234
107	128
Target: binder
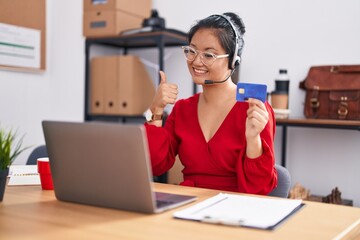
104	85
110	77
135	86
120	85
238	210
96	86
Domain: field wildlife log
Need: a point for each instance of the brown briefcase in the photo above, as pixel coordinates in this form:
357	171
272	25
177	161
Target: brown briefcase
332	92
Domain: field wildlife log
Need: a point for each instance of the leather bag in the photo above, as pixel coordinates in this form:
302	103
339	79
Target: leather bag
332	92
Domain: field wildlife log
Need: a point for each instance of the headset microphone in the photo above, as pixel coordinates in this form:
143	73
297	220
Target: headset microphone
212	81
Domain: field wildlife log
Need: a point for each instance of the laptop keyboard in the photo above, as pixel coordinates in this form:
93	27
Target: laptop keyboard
162	203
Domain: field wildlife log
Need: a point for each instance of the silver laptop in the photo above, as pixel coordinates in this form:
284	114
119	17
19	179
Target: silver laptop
106	165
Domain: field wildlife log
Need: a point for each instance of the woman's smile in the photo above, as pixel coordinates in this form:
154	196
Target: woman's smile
198	71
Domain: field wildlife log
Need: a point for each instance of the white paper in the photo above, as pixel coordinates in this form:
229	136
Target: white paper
241	210
24	175
19	46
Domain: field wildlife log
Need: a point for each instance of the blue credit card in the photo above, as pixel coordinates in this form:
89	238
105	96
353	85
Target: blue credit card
251	90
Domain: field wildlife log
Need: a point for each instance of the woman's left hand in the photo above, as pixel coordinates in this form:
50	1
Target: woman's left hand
257	118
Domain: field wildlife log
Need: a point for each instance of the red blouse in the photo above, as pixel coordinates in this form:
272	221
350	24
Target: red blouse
221	163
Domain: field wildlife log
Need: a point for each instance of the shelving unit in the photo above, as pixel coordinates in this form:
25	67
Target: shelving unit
159	40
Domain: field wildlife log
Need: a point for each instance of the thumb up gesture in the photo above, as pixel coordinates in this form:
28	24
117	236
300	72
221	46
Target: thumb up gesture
166	94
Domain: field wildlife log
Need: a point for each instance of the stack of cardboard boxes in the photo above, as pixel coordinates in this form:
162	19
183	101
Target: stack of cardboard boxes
119	84
110	17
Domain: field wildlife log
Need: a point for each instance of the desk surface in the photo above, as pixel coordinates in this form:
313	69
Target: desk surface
27	212
326	123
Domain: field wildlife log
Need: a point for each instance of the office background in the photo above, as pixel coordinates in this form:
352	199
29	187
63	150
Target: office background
279	34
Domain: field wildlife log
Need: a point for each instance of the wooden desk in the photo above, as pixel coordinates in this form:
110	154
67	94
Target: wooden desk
30	213
311	123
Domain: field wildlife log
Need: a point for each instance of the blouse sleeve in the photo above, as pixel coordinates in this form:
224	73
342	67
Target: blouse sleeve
163	146
258	175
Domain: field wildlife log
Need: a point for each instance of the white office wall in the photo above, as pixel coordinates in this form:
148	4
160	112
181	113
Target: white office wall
280	34
58	92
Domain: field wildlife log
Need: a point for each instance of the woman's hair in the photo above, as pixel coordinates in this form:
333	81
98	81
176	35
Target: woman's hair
223	30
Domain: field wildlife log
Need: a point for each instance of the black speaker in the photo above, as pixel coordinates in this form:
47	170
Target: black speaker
157	23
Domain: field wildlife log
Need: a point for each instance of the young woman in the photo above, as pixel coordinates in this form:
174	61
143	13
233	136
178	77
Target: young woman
222	144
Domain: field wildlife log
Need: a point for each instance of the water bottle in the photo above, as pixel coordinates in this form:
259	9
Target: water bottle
282	82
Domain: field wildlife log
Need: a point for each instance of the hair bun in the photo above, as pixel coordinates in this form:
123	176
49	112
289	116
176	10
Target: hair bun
237	21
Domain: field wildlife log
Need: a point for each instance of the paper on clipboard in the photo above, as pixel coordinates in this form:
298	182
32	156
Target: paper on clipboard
238	210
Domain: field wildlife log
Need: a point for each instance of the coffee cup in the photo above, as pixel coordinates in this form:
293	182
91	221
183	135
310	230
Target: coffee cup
279	100
45	173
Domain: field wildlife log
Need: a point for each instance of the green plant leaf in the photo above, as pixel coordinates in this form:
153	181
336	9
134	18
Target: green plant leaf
10	149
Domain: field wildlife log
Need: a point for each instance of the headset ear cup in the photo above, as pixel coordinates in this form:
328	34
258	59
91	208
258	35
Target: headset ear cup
241	44
237	61
236	58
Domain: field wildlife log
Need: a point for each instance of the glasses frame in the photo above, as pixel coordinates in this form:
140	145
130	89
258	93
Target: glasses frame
198	52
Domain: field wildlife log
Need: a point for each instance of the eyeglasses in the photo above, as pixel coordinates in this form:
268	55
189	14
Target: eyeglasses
207	58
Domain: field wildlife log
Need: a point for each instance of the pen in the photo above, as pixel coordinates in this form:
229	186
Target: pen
223	221
25	174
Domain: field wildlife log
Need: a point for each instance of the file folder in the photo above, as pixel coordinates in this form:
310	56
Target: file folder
96	86
110	76
120	85
135	86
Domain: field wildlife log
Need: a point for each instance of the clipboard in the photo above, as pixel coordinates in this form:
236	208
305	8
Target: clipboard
242	211
24	175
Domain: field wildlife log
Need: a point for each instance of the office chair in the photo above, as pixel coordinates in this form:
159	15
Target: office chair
284	183
38	152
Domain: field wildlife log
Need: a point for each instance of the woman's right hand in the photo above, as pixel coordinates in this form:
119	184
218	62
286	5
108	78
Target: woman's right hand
166	94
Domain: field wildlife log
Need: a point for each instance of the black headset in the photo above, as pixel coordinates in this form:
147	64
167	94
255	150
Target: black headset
239	44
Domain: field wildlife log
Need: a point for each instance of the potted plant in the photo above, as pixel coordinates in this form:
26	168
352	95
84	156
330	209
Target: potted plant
9	150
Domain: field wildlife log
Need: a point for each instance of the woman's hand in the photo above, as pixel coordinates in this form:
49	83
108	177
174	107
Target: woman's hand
166	94
257	118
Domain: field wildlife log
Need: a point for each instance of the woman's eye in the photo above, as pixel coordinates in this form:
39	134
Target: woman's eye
191	51
208	55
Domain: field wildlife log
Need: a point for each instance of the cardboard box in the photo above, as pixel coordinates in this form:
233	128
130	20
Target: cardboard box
140	8
109	23
122	84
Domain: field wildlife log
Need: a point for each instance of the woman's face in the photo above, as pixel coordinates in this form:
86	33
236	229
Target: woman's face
205	40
